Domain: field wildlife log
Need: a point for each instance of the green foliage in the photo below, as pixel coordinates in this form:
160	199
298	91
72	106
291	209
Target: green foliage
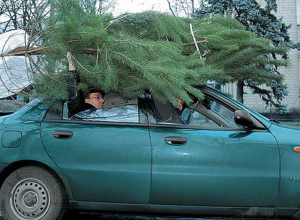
52	86
149	51
153	26
264	24
237	52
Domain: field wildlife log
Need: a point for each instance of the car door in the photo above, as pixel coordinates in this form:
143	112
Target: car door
105	158
209	160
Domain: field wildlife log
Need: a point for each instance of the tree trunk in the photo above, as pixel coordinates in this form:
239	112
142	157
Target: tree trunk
240	91
193	6
25	13
170	8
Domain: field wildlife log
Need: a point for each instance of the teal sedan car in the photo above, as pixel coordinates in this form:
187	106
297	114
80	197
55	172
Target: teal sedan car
214	157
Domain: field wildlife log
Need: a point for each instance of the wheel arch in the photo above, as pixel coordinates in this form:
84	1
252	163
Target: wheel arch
23	163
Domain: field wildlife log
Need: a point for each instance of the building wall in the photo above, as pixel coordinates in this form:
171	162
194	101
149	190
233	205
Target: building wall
287	10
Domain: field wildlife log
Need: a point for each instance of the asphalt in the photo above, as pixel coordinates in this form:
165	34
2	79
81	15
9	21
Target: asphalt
111	216
105	216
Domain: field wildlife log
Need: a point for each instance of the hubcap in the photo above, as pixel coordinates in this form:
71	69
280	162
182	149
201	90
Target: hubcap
30	199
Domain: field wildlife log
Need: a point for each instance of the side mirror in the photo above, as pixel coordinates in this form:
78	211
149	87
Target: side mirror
242	117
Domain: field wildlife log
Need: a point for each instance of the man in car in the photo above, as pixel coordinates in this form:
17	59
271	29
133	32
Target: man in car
79	102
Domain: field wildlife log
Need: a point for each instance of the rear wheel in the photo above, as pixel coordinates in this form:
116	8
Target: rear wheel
32	193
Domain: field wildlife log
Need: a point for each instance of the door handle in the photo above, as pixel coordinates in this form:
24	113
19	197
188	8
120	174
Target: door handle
63	134
177	141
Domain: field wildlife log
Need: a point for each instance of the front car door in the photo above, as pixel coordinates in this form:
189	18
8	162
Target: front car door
105	157
205	159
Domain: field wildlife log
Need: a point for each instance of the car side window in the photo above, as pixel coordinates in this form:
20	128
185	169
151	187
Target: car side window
223	112
115	109
198	119
205	113
220	112
189	116
163	113
123	113
55	111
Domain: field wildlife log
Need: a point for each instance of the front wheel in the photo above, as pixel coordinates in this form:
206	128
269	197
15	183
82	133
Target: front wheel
32	193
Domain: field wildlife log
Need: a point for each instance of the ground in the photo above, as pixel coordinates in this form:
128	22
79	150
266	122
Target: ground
101	216
105	216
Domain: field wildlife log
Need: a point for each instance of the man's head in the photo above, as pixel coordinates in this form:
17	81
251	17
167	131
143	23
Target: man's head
95	98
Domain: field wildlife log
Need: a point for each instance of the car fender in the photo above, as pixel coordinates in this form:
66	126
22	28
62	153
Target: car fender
30	150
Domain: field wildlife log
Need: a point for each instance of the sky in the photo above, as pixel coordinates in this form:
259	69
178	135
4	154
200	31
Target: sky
132	6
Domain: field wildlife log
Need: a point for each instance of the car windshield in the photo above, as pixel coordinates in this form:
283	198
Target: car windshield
30	104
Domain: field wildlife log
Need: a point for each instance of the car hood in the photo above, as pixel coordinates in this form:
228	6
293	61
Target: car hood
286	136
284	127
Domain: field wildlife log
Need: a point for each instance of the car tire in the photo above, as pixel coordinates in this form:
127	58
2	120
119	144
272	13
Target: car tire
32	193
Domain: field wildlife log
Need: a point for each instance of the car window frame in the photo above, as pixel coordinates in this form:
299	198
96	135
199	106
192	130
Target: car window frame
147	104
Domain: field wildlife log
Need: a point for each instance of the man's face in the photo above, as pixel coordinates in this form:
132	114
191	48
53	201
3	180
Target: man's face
96	100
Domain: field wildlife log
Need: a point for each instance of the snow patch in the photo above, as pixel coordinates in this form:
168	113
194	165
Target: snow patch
11	40
14	73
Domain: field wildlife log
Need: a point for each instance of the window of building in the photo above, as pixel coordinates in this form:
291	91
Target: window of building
298	11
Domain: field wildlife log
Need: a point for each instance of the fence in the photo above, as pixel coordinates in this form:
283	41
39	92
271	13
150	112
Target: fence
292	118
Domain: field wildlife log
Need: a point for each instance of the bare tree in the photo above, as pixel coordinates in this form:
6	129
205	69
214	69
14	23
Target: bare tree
98	6
183	7
22	14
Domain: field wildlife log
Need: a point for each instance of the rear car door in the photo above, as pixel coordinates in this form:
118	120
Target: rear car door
205	159
105	158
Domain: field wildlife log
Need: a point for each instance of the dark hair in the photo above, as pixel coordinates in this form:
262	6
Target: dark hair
93	90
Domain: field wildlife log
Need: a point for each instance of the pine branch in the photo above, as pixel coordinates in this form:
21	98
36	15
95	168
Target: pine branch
196	44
